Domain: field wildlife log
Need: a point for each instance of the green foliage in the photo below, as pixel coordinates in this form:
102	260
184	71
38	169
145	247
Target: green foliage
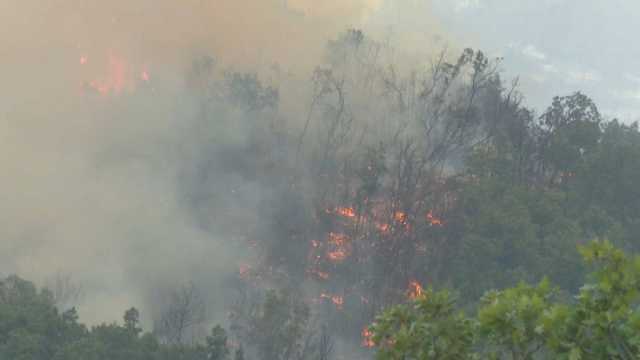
31	328
535	190
526	322
511	321
511	233
430	328
30	325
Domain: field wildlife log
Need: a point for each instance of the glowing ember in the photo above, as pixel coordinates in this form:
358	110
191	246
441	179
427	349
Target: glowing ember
337	239
367	338
415	290
433	220
315	243
338	250
337	300
346	212
400	217
144	75
338	255
83	60
383	227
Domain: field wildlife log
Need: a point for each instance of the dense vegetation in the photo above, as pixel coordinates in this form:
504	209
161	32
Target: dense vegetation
525	322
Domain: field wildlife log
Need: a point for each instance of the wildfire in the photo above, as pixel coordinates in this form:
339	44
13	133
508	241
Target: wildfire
400	217
415	290
337	239
348	212
384	228
119	76
367	338
338	252
337	300
433	220
338	255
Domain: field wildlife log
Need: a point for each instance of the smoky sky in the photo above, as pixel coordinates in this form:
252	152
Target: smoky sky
101	146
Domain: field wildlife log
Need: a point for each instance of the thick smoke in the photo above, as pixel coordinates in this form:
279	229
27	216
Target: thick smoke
104	186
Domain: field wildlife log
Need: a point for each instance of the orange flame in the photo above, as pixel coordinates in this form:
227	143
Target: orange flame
337	239
384	228
415	290
337	300
367	338
338	255
348	212
433	220
400	217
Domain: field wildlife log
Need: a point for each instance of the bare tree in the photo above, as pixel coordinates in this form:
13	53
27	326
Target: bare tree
183	314
65	291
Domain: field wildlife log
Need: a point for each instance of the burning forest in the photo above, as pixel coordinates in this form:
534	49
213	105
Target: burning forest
299	174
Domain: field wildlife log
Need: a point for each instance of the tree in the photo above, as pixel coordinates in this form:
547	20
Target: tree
66	293
525	322
132	321
217	344
184	311
275	329
430	328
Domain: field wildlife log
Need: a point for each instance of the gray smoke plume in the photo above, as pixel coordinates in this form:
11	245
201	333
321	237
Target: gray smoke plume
112	169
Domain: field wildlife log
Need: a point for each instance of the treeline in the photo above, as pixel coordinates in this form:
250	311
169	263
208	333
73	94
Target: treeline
539	187
32	328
